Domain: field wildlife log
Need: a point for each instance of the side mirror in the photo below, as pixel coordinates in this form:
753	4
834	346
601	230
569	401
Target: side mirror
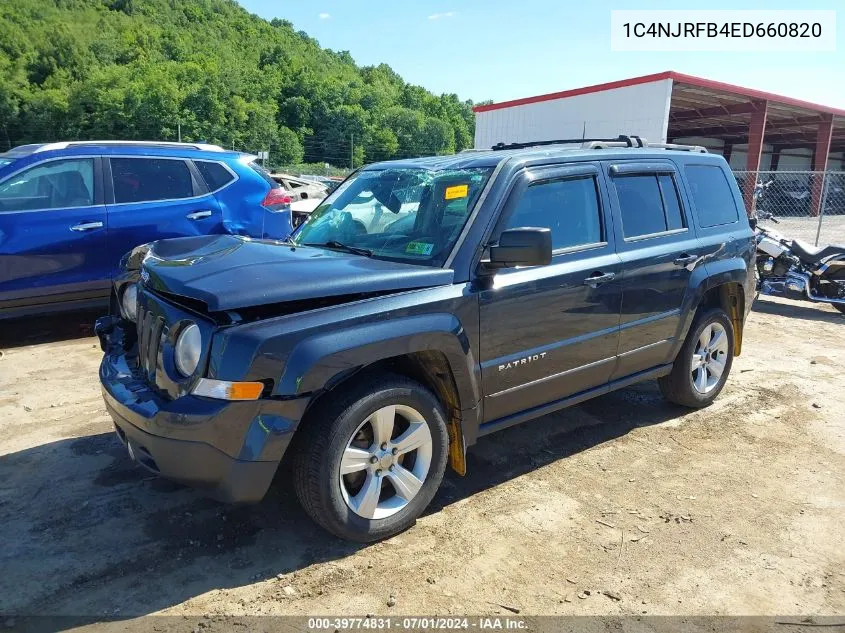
522	247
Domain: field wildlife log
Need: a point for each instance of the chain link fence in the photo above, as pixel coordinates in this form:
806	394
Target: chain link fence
808	205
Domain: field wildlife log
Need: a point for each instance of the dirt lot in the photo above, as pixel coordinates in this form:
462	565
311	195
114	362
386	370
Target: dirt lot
737	509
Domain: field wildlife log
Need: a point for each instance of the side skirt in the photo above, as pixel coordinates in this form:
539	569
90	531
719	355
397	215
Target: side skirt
557	405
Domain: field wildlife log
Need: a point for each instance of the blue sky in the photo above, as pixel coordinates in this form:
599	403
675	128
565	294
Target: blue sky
504	49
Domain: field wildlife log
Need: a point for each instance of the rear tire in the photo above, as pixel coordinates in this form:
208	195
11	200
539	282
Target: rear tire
388	435
839	276
704	362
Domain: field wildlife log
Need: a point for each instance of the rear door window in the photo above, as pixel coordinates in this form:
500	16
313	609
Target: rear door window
148	179
712	195
649	204
216	176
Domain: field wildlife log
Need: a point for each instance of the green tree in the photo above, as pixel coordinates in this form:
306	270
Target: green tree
438	137
144	69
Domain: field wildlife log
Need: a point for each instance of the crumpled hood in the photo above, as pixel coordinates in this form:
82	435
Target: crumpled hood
228	272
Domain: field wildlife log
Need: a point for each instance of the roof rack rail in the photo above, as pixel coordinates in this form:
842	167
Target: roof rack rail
66	144
700	149
562	141
622	140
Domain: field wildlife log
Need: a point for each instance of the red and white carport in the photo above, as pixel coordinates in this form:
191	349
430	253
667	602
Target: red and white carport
754	130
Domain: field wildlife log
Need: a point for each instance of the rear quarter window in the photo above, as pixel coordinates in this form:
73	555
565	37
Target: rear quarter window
216	176
712	195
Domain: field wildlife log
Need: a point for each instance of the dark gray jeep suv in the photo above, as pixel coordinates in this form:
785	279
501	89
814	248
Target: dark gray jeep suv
426	303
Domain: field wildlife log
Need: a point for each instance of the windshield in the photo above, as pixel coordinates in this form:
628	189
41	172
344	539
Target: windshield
411	215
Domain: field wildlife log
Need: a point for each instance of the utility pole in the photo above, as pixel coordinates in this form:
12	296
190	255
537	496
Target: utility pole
179	127
352	150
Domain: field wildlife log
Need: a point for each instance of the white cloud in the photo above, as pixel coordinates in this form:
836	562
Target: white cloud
324	16
437	16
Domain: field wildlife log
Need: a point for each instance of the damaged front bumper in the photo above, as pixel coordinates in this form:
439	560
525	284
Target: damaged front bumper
229	450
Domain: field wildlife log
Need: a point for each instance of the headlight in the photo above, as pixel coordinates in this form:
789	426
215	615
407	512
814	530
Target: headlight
129	302
188	350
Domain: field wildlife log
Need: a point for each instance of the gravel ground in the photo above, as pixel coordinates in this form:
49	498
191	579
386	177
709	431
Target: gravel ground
622	505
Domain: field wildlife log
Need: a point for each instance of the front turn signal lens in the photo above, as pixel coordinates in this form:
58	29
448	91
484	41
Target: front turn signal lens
226	390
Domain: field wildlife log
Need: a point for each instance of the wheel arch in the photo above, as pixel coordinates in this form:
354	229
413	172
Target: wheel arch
434	350
730	297
724	284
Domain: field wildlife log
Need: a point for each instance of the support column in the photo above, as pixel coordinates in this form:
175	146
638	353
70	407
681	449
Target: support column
823	137
727	150
756	132
776	157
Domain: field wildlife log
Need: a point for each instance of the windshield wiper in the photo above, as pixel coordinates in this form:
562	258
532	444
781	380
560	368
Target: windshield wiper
344	247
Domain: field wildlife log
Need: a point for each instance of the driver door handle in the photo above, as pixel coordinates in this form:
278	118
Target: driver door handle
86	226
685	259
599	278
198	215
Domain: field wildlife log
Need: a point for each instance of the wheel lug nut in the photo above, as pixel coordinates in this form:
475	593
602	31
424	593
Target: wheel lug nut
373	459
391	468
378	473
395	451
384	446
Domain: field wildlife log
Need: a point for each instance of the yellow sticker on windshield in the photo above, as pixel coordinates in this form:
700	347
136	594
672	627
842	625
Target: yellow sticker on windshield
458	191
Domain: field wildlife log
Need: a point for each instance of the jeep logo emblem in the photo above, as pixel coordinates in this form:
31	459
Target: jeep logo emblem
145	275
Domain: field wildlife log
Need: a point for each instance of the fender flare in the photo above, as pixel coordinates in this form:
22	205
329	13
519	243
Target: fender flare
714	274
320	361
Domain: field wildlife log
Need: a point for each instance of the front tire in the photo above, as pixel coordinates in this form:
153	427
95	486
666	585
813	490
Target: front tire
371	457
704	362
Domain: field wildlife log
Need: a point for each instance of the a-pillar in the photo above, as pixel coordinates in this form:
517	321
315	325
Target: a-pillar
756	132
823	138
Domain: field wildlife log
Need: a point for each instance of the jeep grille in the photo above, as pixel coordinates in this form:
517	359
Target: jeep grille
151	332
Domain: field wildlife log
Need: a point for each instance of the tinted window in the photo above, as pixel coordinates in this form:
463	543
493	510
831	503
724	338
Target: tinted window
214	174
143	179
59	184
649	204
570	208
671	203
712	195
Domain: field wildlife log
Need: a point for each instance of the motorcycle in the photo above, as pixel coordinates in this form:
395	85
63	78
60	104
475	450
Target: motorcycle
795	269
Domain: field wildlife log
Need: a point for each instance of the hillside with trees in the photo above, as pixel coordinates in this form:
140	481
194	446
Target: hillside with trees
150	69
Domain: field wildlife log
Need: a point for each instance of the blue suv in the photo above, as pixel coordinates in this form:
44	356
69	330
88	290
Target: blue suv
69	211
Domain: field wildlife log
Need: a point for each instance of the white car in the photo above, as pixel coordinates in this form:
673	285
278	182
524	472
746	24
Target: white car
300	189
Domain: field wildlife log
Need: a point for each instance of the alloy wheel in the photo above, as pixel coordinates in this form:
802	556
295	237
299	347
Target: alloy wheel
709	358
385	462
